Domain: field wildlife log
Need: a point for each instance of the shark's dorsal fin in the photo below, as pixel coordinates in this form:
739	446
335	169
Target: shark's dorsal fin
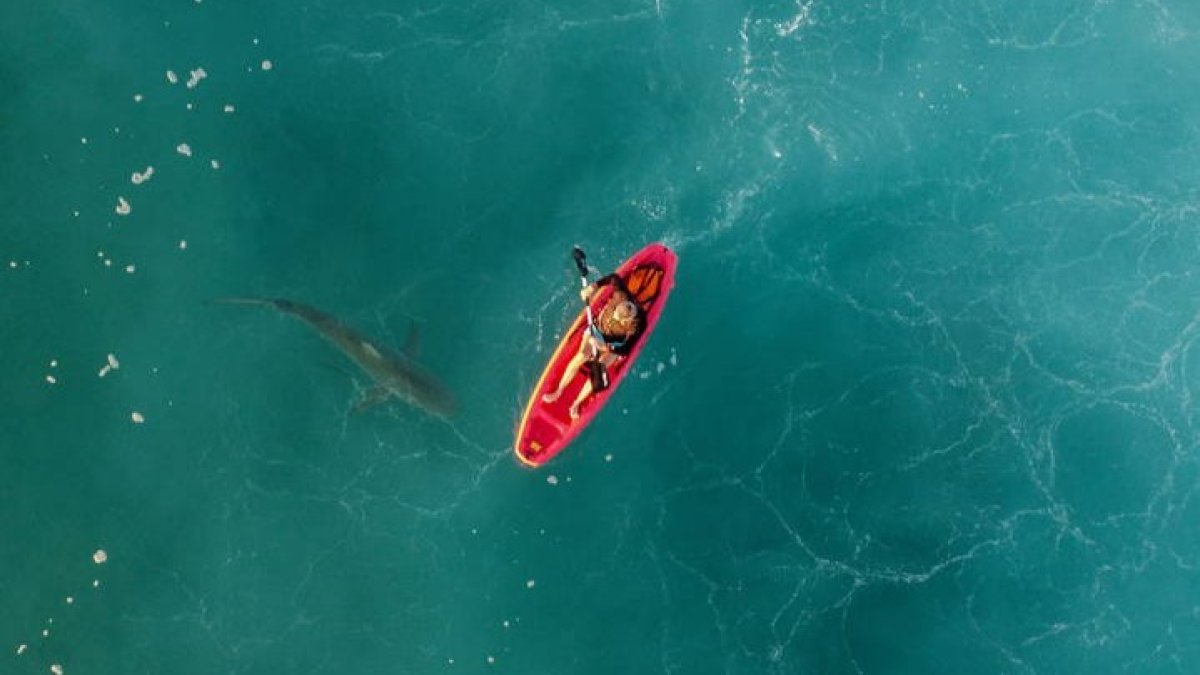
412	344
371	398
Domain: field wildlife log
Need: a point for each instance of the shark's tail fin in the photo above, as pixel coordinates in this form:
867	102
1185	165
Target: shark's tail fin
277	303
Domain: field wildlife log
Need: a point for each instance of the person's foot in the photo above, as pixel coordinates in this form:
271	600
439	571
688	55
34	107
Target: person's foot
551	397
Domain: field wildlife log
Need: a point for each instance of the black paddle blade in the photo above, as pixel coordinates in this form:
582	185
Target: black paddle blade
580	260
599	376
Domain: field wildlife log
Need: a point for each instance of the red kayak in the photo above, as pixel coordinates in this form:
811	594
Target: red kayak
547	428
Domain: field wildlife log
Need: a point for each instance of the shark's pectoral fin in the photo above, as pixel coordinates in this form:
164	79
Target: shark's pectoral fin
413	343
371	398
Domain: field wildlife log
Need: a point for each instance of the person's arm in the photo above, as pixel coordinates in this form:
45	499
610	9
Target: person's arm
614	279
600	346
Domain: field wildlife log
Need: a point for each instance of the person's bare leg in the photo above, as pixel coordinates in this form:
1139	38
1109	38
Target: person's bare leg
568	373
584	392
607	360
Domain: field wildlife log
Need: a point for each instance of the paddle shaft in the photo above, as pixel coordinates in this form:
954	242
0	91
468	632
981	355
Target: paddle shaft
581	265
599	382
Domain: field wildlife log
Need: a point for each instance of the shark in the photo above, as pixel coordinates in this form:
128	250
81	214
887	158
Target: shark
394	374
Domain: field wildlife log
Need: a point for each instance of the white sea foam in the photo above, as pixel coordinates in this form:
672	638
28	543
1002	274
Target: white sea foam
195	76
139	178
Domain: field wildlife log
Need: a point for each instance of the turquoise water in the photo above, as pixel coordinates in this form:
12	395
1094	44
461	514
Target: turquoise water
923	401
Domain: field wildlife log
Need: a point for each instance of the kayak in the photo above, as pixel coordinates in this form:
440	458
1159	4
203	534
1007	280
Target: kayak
547	428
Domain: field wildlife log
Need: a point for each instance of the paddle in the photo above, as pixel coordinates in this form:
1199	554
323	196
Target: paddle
596	369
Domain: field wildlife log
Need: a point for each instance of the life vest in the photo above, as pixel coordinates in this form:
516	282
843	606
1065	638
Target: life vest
643	284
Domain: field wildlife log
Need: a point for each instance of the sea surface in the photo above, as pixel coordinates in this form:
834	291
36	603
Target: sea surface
926	398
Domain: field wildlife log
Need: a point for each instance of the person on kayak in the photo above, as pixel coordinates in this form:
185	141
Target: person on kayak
618	326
